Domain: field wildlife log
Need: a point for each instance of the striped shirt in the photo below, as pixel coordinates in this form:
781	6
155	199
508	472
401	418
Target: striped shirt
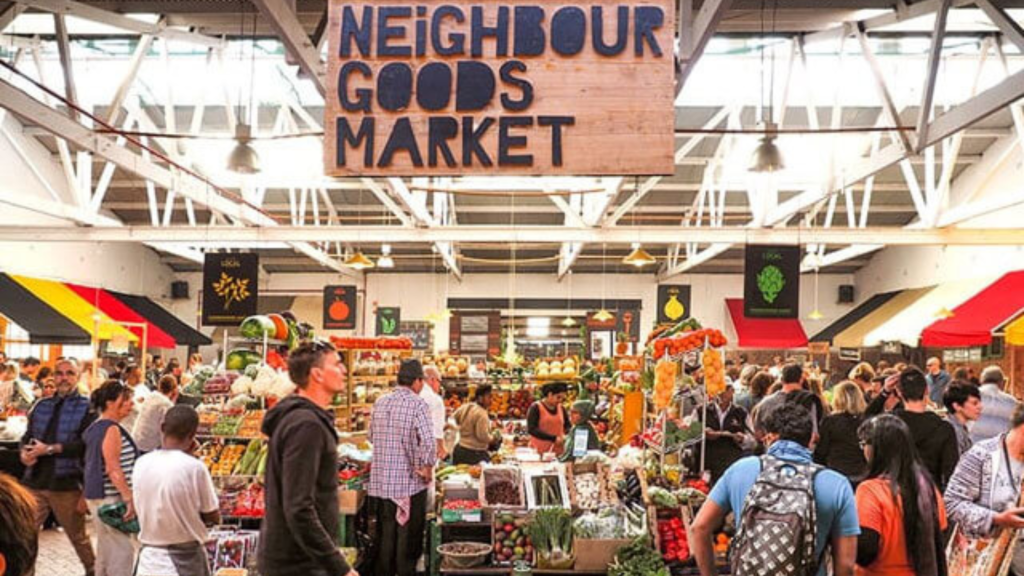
403	441
127	465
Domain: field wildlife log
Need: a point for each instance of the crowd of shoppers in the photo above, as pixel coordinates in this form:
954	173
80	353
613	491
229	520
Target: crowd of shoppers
901	457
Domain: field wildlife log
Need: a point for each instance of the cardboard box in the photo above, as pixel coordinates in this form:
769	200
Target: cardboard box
349	501
593	555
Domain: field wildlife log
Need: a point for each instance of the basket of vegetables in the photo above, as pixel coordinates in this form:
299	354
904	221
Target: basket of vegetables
464	554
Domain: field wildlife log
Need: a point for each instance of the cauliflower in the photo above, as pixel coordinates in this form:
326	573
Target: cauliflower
240	401
282	386
264	381
242	385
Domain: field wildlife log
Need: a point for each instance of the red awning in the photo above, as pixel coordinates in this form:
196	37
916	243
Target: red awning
973	322
765	332
119	311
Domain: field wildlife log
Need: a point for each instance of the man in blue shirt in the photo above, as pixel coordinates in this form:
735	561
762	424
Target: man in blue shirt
787	433
938	380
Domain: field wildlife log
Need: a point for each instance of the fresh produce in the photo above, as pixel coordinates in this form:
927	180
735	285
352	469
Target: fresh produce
630	490
588	490
664	383
251	423
250	502
227	425
280	326
667	330
512	541
674	543
662	498
240	358
462	505
257	326
501	487
380	343
250	460
555	369
698	484
680	431
722	541
227	459
548	490
714	372
688	341
452	402
550	529
613	522
638	559
502	492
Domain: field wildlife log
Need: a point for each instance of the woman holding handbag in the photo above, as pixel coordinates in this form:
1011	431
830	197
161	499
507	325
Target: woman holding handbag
110	457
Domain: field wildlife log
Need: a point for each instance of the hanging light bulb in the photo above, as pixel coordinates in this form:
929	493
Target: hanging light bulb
359	261
815	315
568	321
767	156
603	315
385	260
944	313
639	257
243	158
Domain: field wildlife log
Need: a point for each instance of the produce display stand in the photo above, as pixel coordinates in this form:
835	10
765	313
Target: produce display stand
351	412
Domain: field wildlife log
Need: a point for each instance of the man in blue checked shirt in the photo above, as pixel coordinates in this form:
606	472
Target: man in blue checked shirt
404	454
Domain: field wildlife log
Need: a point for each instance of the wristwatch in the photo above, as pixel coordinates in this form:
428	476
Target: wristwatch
49	450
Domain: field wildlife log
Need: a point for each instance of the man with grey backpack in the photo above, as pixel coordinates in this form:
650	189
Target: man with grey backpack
793	518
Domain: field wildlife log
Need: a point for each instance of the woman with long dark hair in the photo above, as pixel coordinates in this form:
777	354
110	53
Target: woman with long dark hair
902	515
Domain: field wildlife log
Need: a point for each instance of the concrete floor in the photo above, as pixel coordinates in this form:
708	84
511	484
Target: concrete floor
56	556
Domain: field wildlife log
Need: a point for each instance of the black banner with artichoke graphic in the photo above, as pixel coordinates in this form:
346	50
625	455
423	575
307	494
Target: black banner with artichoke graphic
229	288
771	282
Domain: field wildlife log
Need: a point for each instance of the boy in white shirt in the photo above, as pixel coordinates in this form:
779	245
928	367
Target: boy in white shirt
175	501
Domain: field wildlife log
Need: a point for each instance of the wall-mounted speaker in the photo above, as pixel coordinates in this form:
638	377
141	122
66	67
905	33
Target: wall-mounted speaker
179	290
846	293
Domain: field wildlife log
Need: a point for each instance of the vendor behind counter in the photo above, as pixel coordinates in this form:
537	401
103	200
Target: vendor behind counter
547	420
580	415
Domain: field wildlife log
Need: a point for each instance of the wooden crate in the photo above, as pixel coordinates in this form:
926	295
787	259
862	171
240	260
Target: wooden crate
608	495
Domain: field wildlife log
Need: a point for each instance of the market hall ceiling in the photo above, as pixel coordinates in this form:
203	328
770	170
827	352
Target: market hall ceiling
667	202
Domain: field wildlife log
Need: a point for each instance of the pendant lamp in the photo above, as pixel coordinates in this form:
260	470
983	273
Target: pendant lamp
243	158
603	315
385	260
639	257
359	261
767	157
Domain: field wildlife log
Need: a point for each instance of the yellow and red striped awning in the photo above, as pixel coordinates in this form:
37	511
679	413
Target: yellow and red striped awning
75	308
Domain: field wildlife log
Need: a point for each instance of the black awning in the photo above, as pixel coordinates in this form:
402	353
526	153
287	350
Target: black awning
853	316
43	324
182	333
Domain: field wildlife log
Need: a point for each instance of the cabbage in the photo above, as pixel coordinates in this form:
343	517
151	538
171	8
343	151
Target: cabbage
263	383
282	386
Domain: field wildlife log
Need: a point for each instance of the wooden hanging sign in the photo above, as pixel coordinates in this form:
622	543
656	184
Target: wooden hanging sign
433	88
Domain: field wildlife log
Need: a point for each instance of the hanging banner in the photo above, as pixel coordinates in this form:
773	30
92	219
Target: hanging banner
628	322
339	307
431	88
230	288
771	282
388	320
673	303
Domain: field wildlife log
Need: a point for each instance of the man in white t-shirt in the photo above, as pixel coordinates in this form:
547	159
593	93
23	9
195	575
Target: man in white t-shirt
175	500
431	394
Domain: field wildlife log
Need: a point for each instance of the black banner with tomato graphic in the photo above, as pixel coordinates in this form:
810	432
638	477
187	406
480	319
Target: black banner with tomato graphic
339	307
230	288
389	319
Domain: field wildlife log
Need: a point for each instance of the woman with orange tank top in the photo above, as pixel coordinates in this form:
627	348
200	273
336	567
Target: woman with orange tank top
547	420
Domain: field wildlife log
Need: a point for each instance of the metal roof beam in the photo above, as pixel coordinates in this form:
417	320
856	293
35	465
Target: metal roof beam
87	12
285	22
654	235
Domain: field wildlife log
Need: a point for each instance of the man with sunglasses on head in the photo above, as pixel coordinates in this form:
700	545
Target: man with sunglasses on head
301	521
52	451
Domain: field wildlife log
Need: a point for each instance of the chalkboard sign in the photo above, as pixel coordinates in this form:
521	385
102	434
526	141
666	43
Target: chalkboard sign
436	87
421	334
